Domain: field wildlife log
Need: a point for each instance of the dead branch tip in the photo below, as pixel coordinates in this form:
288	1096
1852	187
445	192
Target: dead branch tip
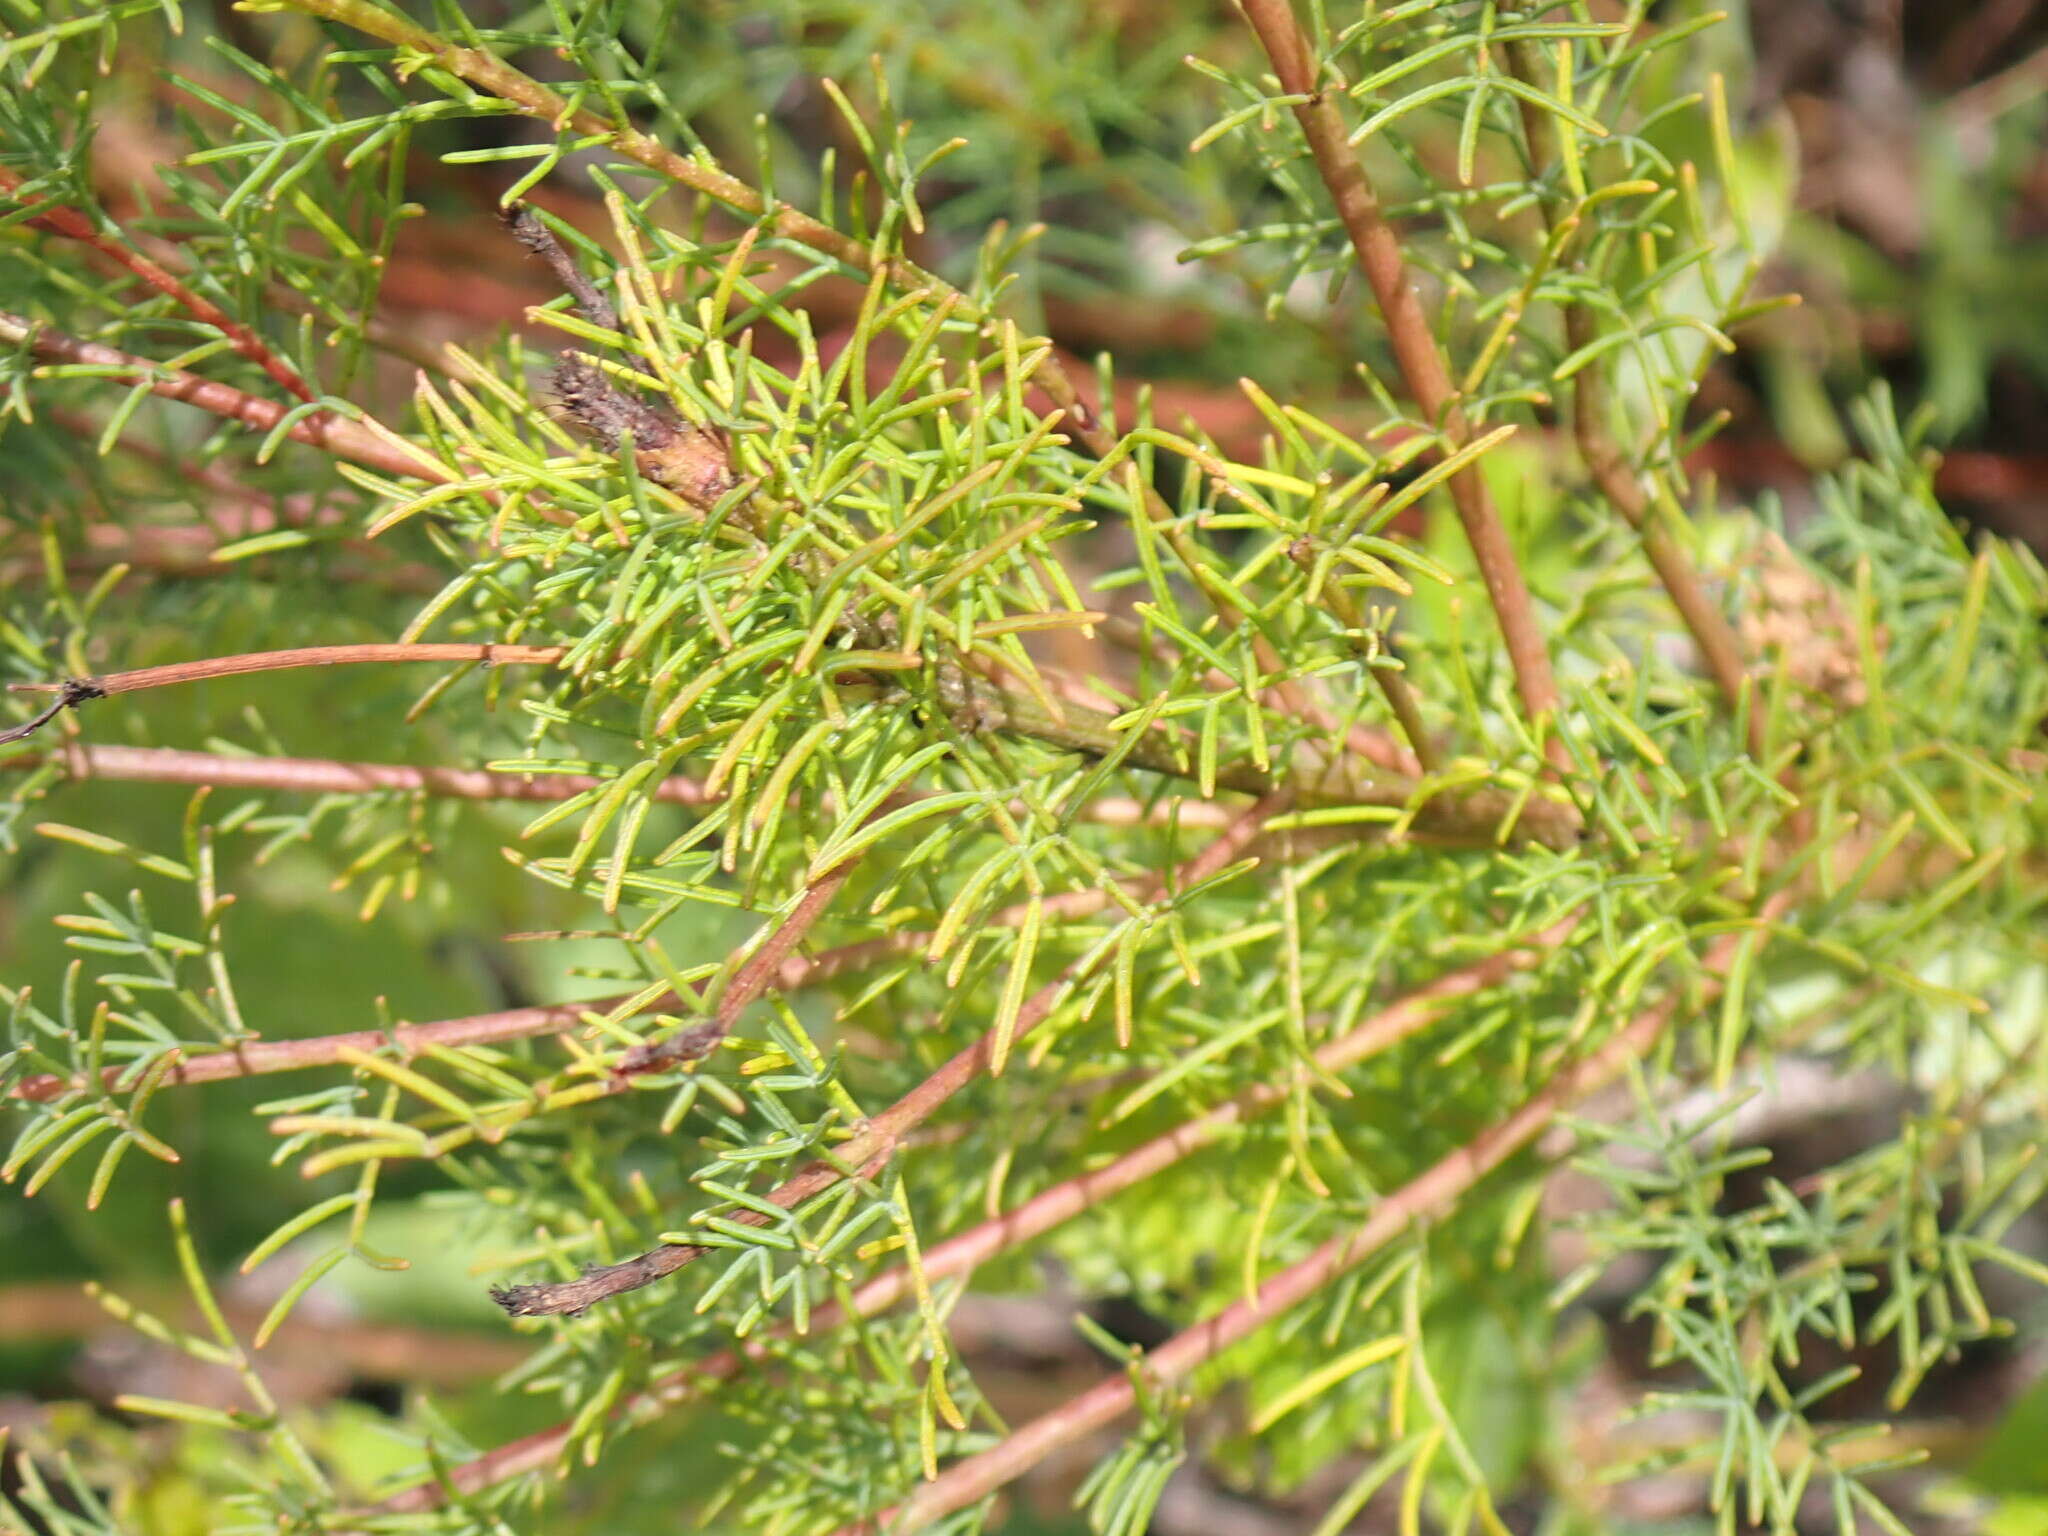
71	692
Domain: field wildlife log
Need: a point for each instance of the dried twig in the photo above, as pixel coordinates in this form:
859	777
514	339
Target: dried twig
693	461
73	691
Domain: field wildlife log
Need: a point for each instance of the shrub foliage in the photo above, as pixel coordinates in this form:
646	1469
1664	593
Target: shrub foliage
972	818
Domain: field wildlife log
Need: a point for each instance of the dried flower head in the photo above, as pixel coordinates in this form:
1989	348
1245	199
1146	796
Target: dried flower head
693	461
1792	613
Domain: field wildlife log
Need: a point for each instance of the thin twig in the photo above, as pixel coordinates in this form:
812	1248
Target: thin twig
878	1138
752	979
540	241
1392	683
1468	816
1380	258
359	441
173	673
257	1058
262	1057
331	776
793	971
70	694
73	691
969	1250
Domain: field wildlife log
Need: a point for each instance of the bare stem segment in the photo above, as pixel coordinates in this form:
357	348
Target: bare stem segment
1609	466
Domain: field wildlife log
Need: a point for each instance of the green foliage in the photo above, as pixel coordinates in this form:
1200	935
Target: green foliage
955	680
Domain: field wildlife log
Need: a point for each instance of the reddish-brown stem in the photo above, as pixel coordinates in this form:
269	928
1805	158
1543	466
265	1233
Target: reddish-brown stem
174	673
1473	815
73	225
1609	466
331	433
74	691
754	977
1415	348
1433	1191
255	1058
970	1249
1430	1192
765	964
875	1141
327	776
258	1058
1616	478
